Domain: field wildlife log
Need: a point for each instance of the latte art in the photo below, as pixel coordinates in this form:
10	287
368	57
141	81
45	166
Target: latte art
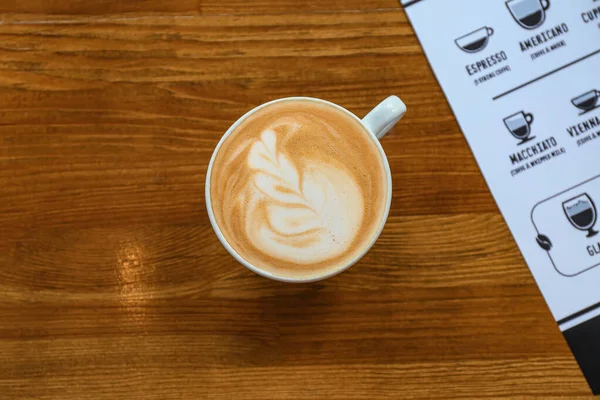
305	217
299	187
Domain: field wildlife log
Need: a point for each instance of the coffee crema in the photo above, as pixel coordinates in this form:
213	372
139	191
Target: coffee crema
299	189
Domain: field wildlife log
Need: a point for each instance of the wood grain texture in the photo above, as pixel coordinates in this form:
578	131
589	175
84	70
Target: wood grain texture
112	284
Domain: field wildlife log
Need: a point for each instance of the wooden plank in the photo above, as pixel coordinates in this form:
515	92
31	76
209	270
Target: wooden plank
195	7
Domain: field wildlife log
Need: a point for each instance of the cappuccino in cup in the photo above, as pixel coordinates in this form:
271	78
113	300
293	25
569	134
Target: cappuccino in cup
299	189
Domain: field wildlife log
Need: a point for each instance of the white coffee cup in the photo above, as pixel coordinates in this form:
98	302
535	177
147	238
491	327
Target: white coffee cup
378	122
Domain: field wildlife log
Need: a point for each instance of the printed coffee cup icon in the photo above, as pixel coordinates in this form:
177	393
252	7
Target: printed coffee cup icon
519	125
530	14
587	101
581	213
475	41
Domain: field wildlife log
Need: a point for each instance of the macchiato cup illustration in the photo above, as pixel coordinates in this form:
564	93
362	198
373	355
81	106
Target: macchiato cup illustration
529	14
587	101
519	125
299	189
475	41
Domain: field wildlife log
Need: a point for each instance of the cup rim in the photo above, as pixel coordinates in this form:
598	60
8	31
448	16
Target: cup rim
267	274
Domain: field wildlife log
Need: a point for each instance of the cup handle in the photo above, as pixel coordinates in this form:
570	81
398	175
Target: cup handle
490	31
529	118
545	4
383	117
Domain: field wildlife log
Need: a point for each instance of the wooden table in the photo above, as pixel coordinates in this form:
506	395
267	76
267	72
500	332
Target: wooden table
112	283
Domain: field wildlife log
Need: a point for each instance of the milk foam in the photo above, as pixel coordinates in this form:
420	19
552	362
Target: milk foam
306	216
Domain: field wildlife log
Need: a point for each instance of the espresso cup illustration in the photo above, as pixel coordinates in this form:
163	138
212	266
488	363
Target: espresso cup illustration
475	41
530	14
582	214
519	125
587	101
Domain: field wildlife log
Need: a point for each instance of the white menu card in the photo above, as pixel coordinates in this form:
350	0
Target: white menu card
523	78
